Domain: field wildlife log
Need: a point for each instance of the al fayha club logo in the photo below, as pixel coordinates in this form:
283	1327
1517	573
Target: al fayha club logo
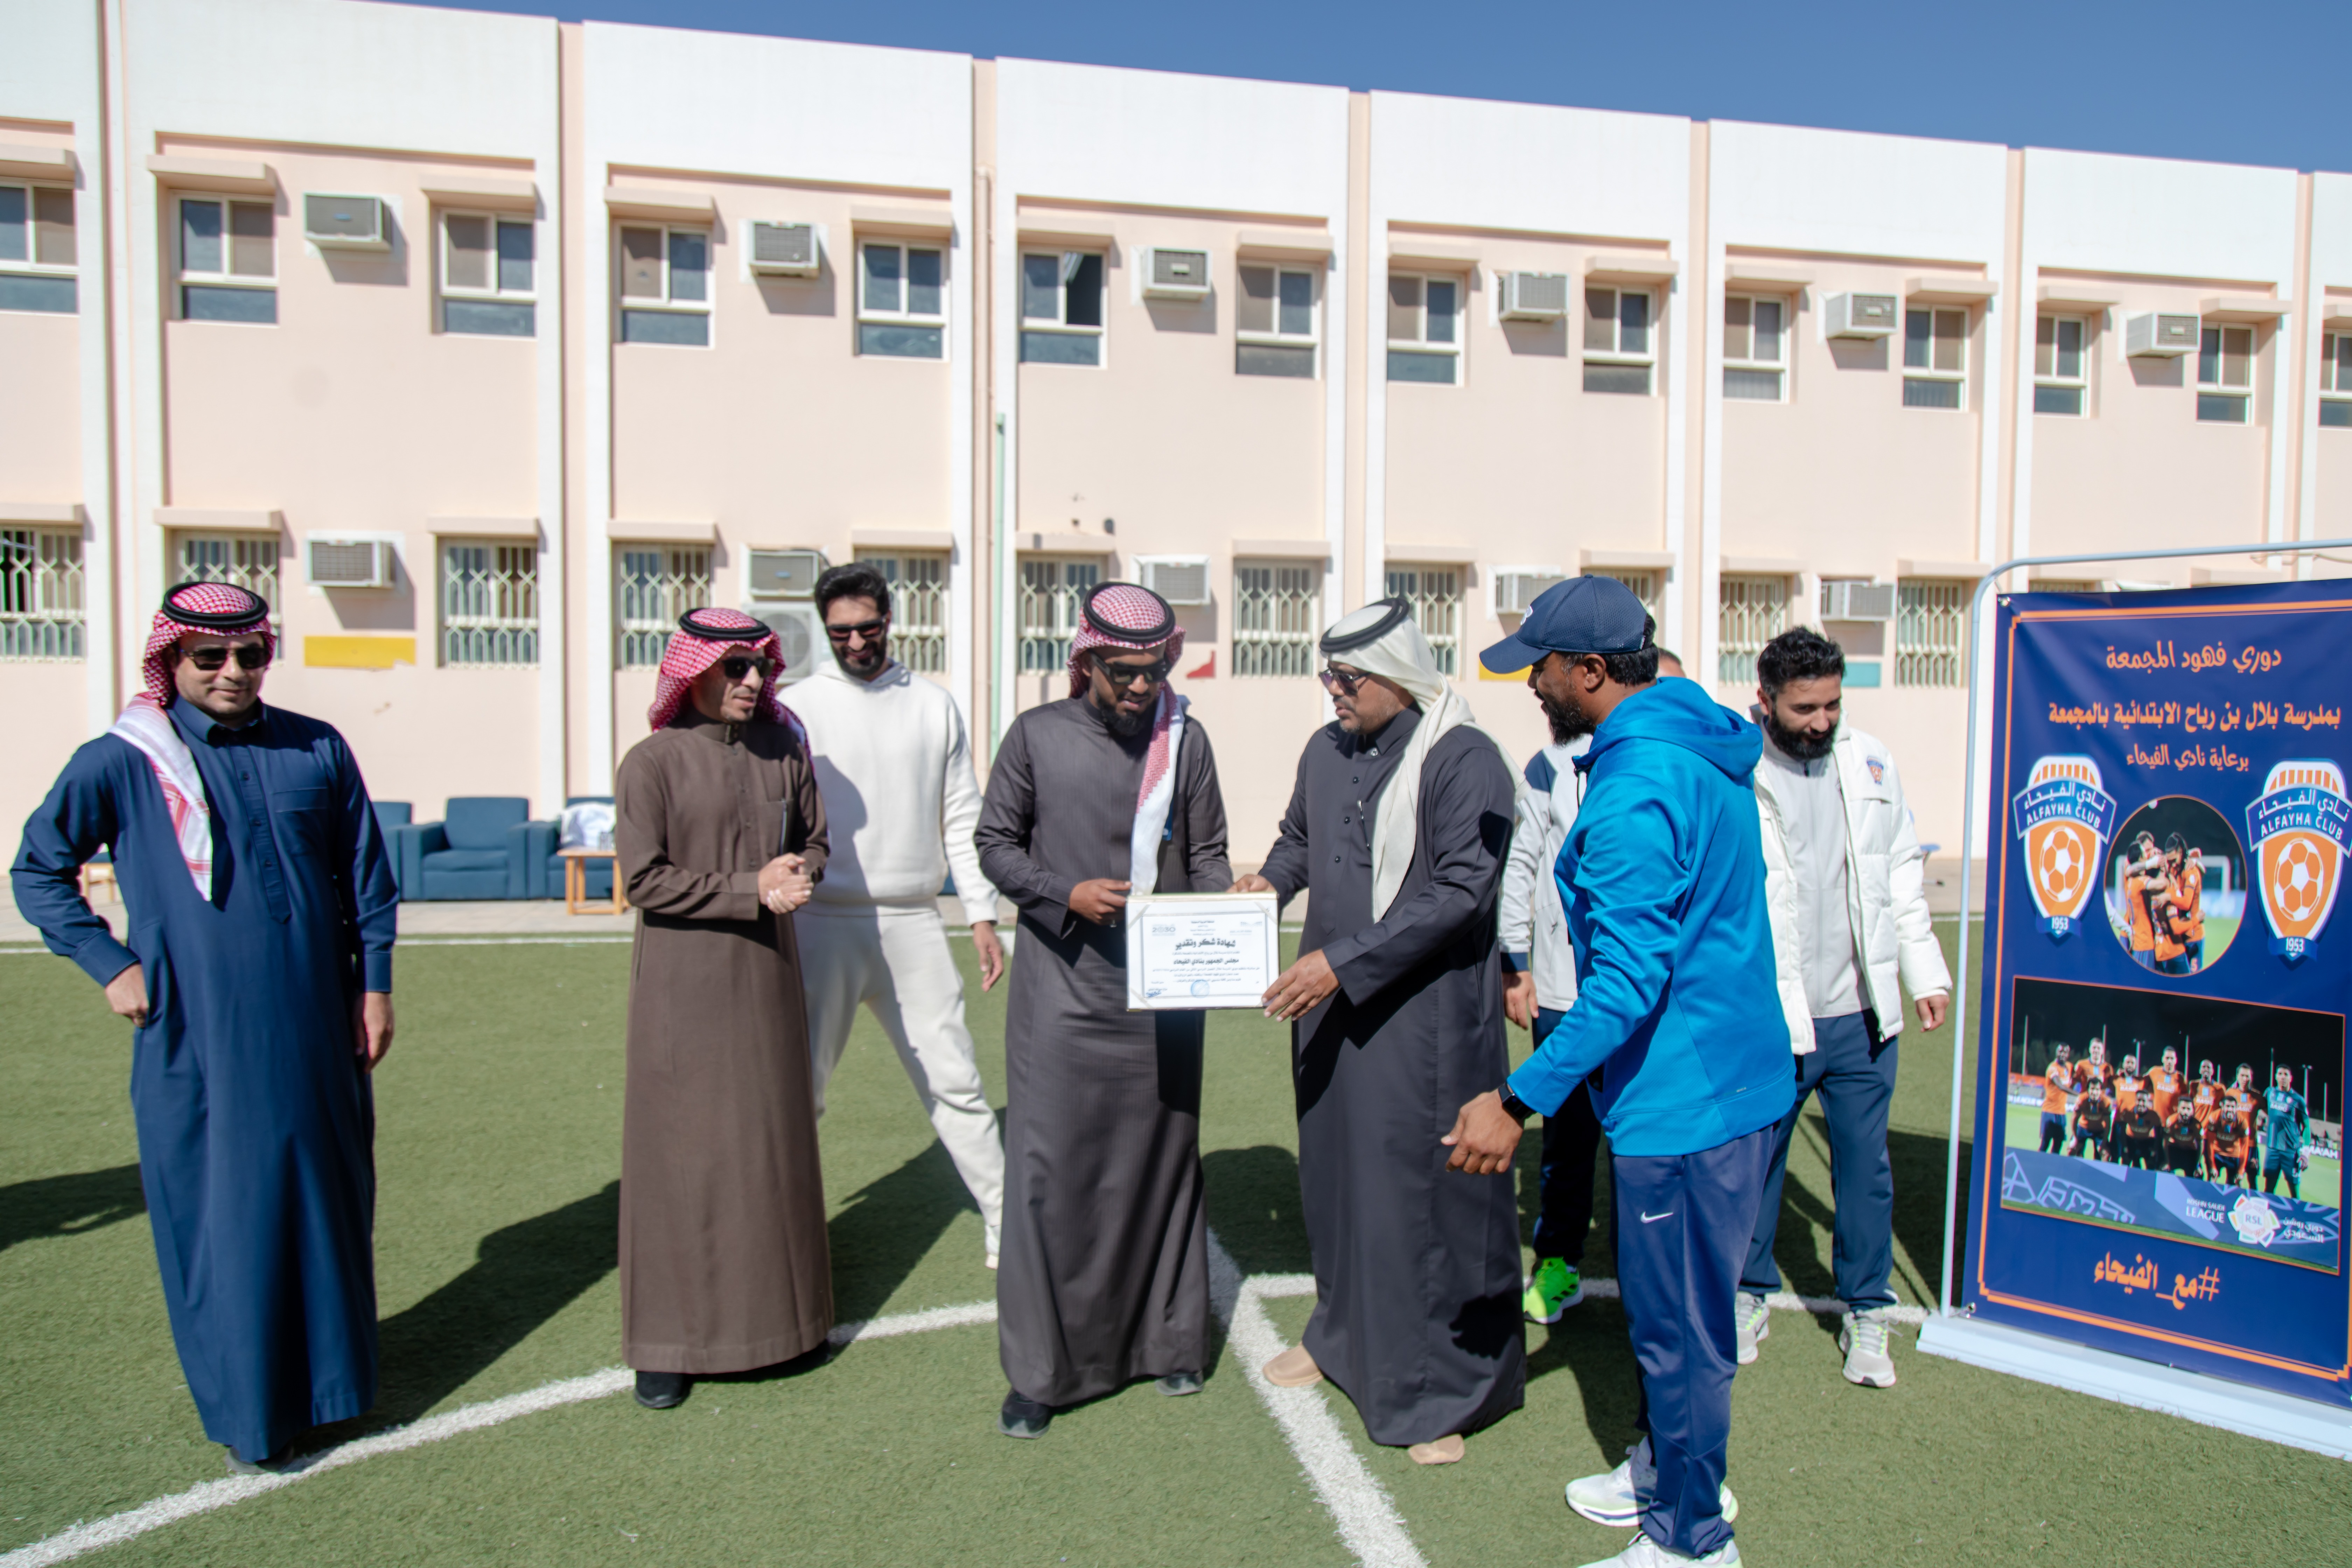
2065	818
2300	827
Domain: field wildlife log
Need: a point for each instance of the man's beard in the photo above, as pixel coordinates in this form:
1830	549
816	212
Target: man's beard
1799	745
866	663
1568	722
1125	724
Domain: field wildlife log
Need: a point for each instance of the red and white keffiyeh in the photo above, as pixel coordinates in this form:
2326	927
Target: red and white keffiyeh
222	609
703	637
1134	619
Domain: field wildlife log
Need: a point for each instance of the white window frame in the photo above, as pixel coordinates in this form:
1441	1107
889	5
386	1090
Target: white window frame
1779	368
514	633
2336	370
1616	353
666	304
1292	609
254	574
495	293
1418	344
1756	605
1931	372
1042	644
681	582
1436	605
227	203
2220	387
902	318
43	595
1058	324
2080	381
1919	661
1645	583
1310	338
31	263
918	605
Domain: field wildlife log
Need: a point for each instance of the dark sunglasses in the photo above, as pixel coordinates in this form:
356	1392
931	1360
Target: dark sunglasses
1341	681
1124	675
250	656
869	630
739	667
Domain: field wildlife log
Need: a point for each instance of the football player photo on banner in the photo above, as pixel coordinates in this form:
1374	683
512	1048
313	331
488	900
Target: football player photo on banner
2157	1165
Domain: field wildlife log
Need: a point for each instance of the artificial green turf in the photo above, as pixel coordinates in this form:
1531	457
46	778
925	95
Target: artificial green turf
498	1146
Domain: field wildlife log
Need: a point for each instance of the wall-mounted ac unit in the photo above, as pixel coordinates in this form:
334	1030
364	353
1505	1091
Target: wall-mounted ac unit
1170	274
800	635
348	563
1516	587
1856	599
345	223
1179	579
1863	315
2159	336
785	250
1534	296
782	574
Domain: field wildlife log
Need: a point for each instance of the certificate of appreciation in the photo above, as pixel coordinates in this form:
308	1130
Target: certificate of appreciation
1201	950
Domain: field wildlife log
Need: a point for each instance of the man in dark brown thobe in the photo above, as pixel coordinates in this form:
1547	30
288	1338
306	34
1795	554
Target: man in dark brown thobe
1112	793
720	836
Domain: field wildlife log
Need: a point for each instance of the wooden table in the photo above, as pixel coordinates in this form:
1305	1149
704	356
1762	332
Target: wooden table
576	882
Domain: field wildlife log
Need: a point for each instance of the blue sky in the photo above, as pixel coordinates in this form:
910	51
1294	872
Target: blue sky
2257	81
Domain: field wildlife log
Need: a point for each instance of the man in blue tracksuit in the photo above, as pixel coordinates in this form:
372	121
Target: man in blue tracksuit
1676	1004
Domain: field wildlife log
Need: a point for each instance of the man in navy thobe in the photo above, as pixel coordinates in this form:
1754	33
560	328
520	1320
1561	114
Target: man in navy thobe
258	978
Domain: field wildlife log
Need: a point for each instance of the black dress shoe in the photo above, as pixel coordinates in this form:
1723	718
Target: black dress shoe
663	1390
1024	1416
1179	1383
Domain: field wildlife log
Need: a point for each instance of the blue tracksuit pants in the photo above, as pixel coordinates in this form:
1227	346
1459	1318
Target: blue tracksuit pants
1683	1227
1854	1073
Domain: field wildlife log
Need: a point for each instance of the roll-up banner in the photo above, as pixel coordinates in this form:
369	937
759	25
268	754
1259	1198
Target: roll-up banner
2159	1153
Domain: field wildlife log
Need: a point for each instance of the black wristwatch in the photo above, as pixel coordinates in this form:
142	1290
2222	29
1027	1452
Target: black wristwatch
1515	1108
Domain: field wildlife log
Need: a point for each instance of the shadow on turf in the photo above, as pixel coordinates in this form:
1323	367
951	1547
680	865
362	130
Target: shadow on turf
69	1205
888	1227
1918	1159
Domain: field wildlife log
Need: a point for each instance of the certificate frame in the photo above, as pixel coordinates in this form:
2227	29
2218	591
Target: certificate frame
1246	928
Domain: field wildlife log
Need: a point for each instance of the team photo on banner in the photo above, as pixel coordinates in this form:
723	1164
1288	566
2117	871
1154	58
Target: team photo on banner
2157	1166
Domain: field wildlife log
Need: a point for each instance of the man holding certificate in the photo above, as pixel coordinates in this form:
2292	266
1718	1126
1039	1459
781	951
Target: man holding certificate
1399	823
1109	794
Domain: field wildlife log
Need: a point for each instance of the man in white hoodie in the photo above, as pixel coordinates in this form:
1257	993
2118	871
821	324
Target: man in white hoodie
893	767
1844	884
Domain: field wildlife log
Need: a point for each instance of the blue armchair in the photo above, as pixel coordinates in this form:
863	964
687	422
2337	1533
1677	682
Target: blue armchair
391	817
547	866
481	850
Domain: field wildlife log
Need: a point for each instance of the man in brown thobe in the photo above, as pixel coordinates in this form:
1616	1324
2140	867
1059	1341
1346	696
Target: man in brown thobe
720	836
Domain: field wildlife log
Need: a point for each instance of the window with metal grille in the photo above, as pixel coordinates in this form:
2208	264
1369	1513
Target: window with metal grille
41	593
654	584
1644	586
2225	375
37	250
919	607
1934	358
1052	588
1275	620
250	561
1435	595
1931	632
1749	613
490	602
1619	345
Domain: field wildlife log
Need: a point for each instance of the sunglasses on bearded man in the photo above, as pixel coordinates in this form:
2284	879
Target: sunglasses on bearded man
1121	676
250	656
741	665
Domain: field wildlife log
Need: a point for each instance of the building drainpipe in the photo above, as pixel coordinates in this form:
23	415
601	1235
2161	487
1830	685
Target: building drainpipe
1000	575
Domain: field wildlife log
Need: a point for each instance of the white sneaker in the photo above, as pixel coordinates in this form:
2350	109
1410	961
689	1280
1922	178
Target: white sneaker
1864	1340
1615	1499
1755	1324
1645	1552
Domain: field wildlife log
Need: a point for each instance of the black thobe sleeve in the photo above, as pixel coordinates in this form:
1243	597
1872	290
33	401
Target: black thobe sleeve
1466	810
1008	815
1206	868
1286	862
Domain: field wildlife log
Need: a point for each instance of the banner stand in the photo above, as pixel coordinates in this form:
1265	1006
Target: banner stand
2062	1363
2211	1401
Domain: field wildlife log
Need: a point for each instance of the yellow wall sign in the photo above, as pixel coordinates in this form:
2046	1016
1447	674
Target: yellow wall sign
358	653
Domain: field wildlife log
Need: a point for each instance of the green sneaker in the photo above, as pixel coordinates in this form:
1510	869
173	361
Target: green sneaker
1556	1287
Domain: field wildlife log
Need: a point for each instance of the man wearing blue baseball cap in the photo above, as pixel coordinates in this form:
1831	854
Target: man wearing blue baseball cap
1677	1004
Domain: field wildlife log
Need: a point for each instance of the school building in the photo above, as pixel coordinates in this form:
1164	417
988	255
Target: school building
481	345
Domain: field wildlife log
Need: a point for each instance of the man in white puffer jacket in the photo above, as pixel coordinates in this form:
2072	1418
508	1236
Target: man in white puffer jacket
1845	885
893	767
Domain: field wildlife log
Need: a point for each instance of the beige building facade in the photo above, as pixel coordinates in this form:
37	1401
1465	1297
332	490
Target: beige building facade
481	345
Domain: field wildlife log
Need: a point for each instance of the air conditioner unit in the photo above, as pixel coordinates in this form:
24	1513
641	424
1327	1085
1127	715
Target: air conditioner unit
785	250
1856	599
800	635
1517	587
782	574
2156	336
1179	579
1534	296
348	563
1863	315
344	223
1175	274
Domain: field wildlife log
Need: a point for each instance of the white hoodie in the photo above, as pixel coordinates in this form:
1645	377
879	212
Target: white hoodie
894	765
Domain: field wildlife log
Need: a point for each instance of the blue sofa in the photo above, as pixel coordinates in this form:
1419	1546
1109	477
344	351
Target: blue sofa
547	866
481	849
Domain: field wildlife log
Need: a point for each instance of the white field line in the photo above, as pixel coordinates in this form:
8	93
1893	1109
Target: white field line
1779	1301
1369	1523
